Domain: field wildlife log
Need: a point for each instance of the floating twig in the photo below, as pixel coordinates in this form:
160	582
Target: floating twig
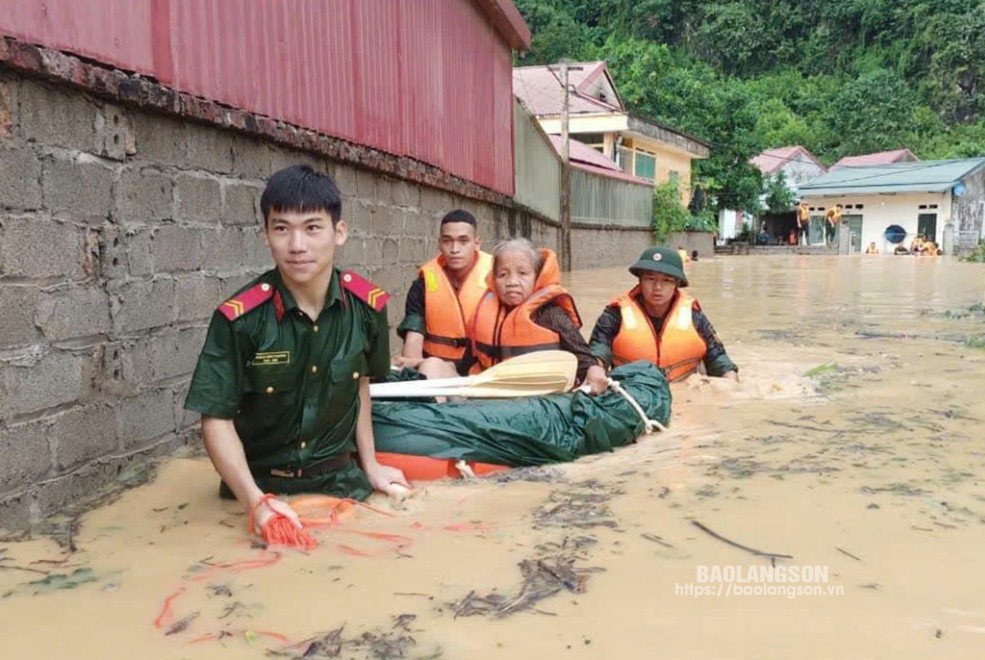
847	553
758	553
656	539
23	568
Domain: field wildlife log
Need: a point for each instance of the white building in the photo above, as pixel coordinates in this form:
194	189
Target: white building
799	166
920	197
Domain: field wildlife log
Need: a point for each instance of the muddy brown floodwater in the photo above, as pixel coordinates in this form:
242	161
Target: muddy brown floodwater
854	445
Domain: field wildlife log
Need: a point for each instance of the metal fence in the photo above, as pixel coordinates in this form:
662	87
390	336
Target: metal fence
602	200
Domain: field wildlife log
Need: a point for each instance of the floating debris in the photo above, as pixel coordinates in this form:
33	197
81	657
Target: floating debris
182	624
537	474
57	581
772	556
385	645
583	505
542	578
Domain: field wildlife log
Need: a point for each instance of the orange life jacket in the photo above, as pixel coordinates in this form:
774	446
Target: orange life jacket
499	333
446	311
678	348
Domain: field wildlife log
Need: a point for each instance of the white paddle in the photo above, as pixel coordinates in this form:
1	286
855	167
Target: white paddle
533	374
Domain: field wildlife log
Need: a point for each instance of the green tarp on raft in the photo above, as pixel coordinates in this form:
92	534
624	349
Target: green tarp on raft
530	431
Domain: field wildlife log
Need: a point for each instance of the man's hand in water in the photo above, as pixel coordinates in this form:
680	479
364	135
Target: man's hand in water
596	379
271	507
382	478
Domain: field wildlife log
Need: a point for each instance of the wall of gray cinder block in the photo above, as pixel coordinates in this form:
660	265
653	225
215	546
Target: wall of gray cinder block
593	247
120	232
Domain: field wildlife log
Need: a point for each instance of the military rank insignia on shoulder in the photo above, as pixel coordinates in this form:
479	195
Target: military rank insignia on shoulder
365	290
246	301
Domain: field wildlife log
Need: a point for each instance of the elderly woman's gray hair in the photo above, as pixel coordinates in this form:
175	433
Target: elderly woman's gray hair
519	245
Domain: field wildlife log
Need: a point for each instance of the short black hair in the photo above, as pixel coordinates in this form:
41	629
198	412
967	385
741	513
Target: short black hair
300	189
458	215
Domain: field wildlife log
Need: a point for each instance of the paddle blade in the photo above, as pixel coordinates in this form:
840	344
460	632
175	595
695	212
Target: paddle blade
533	374
419	389
554	364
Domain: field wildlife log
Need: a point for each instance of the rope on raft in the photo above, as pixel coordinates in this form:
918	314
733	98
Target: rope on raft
650	425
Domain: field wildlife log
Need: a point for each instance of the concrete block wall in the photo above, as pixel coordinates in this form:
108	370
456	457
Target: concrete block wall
119	233
121	230
594	247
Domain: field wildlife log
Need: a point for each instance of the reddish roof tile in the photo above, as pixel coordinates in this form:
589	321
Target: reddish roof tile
878	158
772	160
541	93
589	159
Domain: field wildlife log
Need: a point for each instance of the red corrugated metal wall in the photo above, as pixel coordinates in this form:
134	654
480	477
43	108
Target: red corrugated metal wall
428	79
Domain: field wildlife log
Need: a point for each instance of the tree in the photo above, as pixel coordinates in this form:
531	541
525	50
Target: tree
779	197
669	215
873	113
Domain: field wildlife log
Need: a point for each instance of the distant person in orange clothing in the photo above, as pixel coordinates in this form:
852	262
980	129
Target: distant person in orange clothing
872	249
833	218
803	221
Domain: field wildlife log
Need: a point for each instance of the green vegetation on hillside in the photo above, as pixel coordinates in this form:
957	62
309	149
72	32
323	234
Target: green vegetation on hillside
840	77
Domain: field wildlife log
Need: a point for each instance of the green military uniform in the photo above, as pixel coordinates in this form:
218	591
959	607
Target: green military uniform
291	383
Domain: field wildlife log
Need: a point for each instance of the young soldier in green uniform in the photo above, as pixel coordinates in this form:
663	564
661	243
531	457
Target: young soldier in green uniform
283	380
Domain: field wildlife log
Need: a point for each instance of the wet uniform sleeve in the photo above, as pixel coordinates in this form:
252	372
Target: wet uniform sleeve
554	318
717	361
606	329
413	310
378	351
217	383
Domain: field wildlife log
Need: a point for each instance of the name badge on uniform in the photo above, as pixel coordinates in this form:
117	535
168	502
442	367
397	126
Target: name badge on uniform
272	357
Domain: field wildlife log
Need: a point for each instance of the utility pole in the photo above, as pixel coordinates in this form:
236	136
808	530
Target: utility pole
565	175
566	167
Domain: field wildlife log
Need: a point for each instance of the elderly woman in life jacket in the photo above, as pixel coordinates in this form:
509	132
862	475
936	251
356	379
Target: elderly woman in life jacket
658	322
524	310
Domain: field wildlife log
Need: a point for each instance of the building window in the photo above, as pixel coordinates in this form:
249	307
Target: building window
646	166
624	158
591	139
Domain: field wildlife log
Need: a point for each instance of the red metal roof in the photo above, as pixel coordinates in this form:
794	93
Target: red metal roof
428	79
772	160
508	21
592	160
878	158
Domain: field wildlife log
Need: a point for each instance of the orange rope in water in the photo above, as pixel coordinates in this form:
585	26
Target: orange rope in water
165	614
279	530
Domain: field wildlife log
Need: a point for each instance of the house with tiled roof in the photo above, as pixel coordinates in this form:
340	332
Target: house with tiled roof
640	147
878	158
797	164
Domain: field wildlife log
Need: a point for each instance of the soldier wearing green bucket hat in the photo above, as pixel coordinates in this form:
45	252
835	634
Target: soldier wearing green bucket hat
659	322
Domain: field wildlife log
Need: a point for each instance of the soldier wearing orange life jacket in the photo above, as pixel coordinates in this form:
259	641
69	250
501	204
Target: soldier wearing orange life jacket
443	299
658	322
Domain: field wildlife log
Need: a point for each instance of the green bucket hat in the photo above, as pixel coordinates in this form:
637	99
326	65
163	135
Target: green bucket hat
660	259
